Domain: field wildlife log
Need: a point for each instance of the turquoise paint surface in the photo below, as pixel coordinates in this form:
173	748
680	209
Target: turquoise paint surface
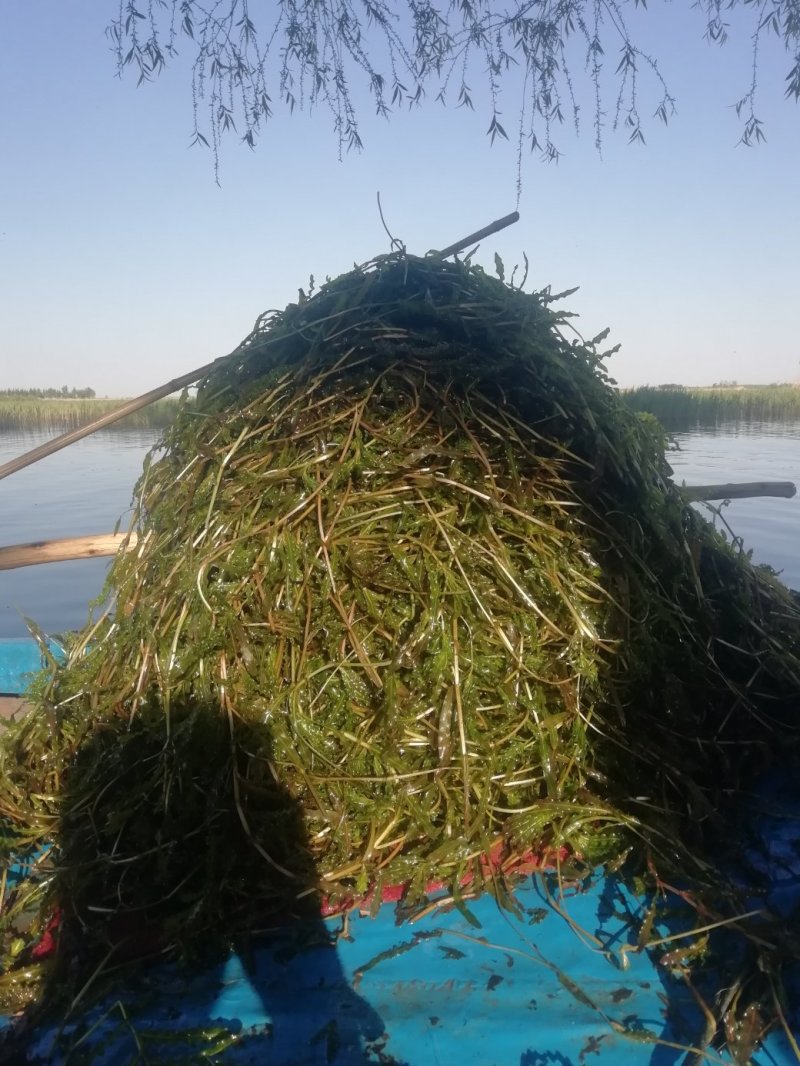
490	987
440	991
20	659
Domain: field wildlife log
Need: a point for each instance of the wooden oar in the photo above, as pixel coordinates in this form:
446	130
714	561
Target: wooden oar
57	443
128	408
56	551
478	235
105	544
98	544
740	491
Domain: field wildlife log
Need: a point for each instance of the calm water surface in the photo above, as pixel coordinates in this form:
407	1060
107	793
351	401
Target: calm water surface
87	488
758	451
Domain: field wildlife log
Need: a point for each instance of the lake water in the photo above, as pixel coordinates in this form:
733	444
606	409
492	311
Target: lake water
757	451
87	488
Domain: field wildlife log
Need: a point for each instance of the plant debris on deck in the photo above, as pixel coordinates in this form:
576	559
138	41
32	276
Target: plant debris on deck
412	588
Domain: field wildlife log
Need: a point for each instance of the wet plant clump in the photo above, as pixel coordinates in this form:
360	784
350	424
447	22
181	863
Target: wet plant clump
414	600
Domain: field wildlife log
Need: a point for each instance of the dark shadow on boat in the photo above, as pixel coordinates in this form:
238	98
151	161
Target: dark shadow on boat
178	843
189	918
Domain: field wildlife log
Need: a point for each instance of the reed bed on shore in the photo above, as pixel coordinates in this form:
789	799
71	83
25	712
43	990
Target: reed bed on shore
59	415
414	600
684	408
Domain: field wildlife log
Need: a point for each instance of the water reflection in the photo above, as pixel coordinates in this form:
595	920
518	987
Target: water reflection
755	451
85	488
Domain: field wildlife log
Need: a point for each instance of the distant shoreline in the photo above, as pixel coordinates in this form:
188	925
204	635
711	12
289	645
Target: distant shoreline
682	407
59	414
675	406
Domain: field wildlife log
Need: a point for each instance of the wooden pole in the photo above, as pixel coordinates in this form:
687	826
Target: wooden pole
57	443
56	551
740	491
99	544
478	235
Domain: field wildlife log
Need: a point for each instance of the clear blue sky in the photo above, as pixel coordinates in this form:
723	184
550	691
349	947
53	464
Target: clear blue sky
122	264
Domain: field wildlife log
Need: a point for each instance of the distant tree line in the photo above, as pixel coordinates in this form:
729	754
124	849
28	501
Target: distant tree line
682	407
64	393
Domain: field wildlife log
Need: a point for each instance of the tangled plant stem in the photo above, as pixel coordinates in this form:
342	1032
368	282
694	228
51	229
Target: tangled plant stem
412	588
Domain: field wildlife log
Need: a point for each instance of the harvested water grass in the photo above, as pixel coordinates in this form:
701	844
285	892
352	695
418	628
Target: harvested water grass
412	588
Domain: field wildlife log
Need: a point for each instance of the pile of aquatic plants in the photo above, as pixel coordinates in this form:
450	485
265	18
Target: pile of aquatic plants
413	601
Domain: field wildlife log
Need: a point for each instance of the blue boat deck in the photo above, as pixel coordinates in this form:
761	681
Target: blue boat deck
558	983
